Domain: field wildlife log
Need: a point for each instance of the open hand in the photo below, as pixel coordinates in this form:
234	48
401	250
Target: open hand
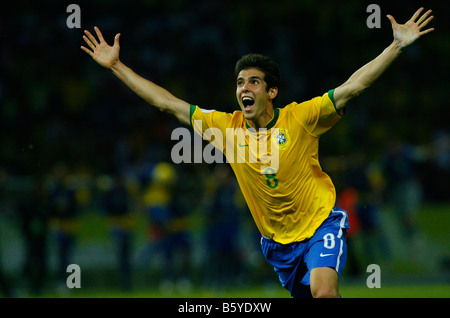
101	52
407	33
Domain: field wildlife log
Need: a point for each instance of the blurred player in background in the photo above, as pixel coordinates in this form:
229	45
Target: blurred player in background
33	213
64	209
303	234
223	228
169	224
117	207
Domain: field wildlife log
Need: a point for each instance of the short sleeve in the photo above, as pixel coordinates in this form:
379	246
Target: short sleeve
210	124
319	114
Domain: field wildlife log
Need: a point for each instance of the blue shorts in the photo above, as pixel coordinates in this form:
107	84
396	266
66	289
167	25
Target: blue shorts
326	248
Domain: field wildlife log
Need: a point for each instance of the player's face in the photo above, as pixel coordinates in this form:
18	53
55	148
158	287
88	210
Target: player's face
252	95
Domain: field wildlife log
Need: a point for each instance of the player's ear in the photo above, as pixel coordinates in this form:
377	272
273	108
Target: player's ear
273	92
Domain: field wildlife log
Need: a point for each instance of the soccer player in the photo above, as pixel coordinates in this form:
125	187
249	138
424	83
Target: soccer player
303	233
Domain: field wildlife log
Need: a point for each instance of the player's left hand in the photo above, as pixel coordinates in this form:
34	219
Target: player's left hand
407	33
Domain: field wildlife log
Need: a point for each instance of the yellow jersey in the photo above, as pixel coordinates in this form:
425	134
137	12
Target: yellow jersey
287	192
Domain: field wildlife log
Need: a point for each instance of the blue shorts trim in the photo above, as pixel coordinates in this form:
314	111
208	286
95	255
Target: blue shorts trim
326	248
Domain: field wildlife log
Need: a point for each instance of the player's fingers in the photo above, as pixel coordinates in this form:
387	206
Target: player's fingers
426	31
116	39
99	34
88	42
423	17
391	18
426	22
87	51
416	15
91	37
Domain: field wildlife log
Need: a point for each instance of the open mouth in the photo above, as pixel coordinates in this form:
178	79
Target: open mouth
248	102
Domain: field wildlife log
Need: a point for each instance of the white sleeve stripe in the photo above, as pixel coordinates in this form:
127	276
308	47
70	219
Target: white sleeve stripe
206	111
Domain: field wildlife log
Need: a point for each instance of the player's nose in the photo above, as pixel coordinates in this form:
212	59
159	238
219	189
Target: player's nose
245	87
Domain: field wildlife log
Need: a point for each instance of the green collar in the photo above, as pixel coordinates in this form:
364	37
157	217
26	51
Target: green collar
271	123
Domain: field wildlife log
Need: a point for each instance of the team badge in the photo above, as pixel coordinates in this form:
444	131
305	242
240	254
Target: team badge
280	137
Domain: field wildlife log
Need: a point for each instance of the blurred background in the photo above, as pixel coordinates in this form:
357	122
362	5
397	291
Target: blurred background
86	175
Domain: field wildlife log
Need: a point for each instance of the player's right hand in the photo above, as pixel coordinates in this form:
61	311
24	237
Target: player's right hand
100	51
405	34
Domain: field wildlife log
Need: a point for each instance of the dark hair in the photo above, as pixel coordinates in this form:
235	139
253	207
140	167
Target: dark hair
263	63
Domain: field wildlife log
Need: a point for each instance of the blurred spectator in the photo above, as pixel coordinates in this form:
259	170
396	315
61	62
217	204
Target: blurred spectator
437	174
362	199
223	226
117	207
63	210
32	210
169	224
370	213
403	189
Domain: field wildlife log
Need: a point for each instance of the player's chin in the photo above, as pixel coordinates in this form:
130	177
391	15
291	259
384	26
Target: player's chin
249	112
249	115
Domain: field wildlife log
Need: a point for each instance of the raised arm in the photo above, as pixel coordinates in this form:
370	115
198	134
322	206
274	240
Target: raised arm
404	35
108	57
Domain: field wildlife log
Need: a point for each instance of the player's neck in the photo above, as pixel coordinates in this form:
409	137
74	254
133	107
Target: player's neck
262	120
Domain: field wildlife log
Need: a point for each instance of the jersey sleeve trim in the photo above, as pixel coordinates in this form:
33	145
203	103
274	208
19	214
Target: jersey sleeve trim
331	96
191	112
